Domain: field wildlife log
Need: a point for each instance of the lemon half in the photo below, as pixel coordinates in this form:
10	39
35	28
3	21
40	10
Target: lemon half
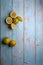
9	20
13	14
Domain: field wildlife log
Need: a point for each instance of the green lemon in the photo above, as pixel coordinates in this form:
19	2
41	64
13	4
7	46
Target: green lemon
15	21
6	40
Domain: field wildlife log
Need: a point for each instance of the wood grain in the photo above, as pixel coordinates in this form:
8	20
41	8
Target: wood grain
28	33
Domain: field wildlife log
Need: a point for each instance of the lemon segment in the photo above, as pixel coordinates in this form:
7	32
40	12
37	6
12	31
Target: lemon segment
13	14
12	43
19	18
9	20
12	26
6	40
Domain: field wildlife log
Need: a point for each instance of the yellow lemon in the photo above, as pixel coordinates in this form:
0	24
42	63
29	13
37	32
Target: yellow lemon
19	18
12	26
13	14
15	21
9	20
12	43
6	40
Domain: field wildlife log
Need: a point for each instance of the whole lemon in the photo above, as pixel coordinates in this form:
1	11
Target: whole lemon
19	18
6	40
15	21
12	43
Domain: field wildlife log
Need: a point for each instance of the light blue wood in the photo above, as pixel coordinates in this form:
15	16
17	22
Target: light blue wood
29	46
28	33
6	54
39	32
17	7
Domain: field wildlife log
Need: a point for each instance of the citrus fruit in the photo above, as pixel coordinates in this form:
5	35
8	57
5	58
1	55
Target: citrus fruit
15	21
19	18
12	43
6	40
9	20
13	14
12	26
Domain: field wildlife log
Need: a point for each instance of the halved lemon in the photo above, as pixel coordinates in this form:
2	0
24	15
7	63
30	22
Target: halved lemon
13	26
9	20
19	18
13	14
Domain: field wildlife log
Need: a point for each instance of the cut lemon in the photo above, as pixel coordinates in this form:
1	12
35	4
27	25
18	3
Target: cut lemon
9	20
13	14
13	26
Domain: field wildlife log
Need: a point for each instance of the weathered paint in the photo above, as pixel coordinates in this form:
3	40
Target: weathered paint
28	33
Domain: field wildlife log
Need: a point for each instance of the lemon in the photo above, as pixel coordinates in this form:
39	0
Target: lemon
9	20
15	21
6	40
13	14
19	18
12	43
12	26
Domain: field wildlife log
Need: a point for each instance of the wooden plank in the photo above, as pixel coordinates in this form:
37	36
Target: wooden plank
0	31
39	32
18	34
6	7
29	32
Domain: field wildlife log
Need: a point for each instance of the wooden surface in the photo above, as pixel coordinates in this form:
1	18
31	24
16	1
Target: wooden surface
28	33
